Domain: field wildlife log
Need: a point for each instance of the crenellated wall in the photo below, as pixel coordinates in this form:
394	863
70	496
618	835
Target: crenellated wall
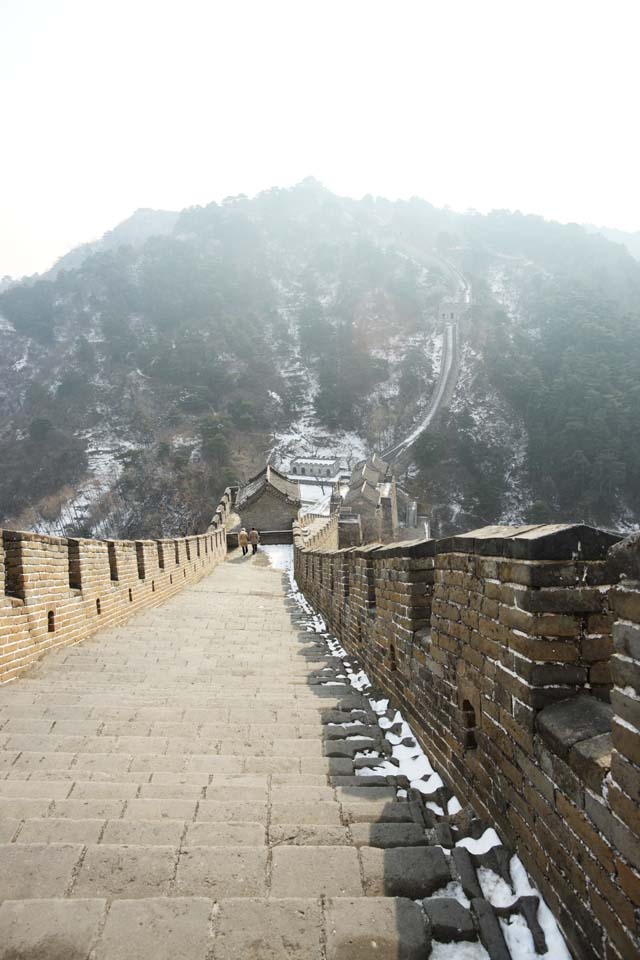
225	509
314	532
55	591
498	646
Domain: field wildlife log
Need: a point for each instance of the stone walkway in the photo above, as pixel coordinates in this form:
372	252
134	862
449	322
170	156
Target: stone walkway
183	787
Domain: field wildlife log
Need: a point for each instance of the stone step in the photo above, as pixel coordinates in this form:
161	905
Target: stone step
208	868
186	928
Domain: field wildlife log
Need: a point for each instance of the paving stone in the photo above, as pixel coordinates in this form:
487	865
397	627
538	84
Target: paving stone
211	763
388	835
19	809
315	871
8	758
230	811
141	745
117	728
157	809
155	833
448	920
125	872
8	829
44	762
39	870
364	928
299	779
380	811
35	788
365	794
404	871
245	794
26	773
114	762
219	872
308	834
87	809
290	764
252	929
120	776
157	929
32	743
323	811
223	834
199	778
27	725
291	793
61	831
171	791
103	790
49	929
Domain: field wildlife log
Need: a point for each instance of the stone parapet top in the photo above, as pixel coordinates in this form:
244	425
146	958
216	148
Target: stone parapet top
559	541
29	536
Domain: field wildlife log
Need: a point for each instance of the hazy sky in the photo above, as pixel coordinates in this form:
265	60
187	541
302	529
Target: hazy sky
111	105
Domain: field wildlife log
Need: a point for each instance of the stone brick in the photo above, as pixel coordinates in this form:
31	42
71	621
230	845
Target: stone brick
389	929
54	929
315	871
256	928
157	929
404	872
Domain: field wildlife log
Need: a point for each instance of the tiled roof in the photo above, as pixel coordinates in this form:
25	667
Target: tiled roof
364	492
269	477
364	472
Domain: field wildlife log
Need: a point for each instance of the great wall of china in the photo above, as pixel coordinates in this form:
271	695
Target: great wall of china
513	653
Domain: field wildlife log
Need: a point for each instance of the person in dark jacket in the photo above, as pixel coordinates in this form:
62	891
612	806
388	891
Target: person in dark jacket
254	539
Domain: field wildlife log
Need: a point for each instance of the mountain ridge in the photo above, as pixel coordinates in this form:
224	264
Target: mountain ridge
295	321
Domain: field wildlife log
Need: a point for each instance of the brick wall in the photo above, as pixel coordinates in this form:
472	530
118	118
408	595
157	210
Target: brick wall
498	647
55	591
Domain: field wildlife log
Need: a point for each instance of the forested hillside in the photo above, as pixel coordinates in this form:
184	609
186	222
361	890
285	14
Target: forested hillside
140	377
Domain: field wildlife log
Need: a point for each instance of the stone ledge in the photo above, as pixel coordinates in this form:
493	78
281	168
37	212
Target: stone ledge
569	722
553	541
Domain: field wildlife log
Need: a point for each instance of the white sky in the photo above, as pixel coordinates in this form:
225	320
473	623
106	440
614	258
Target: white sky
111	105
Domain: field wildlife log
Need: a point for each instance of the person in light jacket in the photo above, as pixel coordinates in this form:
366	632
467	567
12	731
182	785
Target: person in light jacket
254	539
243	541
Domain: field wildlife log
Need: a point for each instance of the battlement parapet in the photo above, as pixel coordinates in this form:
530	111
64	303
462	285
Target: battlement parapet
514	653
55	591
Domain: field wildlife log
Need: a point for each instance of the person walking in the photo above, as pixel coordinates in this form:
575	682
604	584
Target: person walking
254	539
243	541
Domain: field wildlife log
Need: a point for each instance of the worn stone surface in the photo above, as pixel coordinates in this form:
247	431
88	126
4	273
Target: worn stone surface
111	870
404	872
315	871
388	929
157	929
36	870
49	929
287	929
